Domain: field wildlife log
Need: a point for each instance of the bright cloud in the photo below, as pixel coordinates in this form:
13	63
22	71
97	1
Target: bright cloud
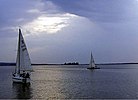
49	24
33	11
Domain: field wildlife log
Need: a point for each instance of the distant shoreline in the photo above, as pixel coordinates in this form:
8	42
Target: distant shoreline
115	63
13	64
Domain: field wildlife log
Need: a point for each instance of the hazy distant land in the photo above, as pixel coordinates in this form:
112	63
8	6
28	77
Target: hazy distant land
13	64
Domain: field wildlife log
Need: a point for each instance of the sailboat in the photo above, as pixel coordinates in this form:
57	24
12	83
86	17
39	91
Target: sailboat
23	67
92	63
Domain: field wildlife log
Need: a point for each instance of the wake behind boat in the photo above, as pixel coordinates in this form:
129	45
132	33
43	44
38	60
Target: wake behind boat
92	63
23	63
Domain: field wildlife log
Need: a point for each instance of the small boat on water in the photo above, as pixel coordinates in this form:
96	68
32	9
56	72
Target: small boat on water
23	67
92	63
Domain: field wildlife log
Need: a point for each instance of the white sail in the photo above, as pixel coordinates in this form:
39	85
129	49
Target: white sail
23	62
92	63
17	69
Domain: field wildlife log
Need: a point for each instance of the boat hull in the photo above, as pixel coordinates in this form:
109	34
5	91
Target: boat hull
18	79
93	68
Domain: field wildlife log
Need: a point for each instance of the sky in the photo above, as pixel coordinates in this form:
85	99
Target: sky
58	31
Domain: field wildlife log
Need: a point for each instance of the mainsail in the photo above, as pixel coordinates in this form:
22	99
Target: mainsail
23	62
92	63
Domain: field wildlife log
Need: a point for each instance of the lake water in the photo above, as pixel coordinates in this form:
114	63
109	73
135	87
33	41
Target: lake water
73	82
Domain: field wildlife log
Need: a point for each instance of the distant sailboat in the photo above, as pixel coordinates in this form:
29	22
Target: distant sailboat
92	63
23	63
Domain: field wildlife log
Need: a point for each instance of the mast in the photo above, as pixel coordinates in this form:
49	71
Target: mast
91	60
19	49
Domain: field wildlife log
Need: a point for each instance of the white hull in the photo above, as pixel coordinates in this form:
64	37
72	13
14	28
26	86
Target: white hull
18	79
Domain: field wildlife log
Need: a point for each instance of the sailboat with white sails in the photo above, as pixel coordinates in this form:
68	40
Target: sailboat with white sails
23	67
92	63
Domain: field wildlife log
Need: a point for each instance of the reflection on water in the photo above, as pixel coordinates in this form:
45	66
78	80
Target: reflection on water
73	82
22	91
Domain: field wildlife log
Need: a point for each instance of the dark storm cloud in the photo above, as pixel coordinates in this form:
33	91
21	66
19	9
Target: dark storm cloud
98	10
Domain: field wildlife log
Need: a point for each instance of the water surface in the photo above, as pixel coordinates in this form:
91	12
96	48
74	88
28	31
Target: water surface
73	82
